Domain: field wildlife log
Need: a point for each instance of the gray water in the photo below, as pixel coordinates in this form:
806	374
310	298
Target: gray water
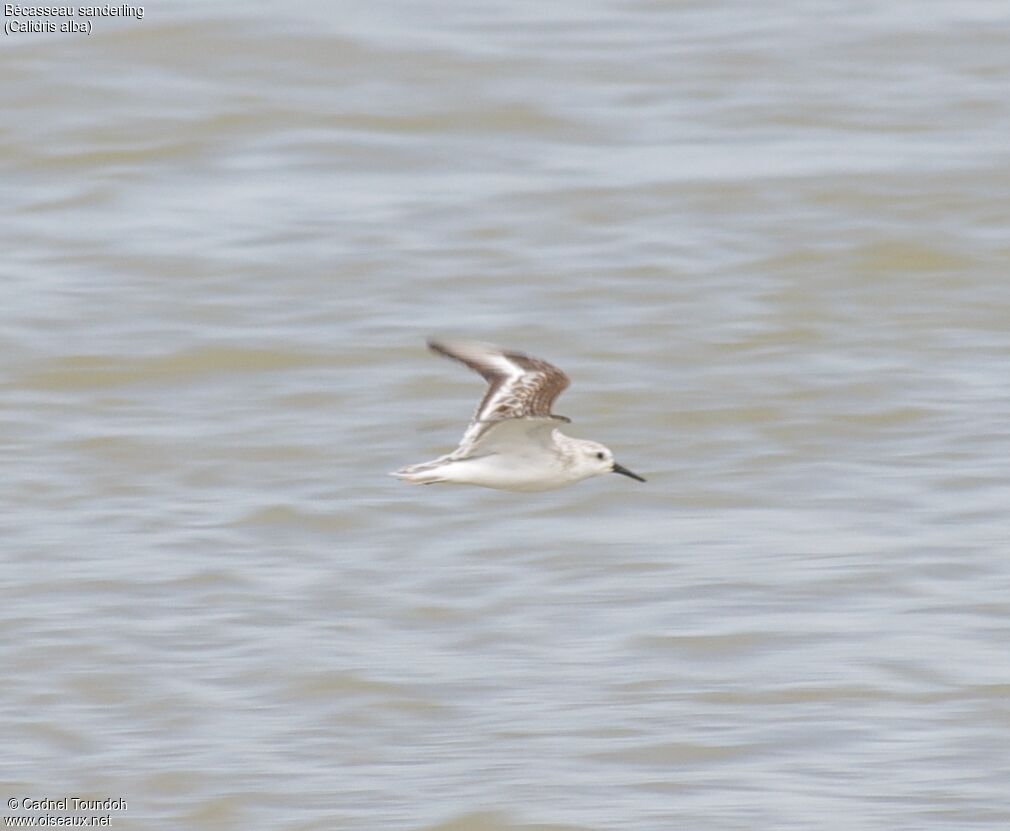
769	244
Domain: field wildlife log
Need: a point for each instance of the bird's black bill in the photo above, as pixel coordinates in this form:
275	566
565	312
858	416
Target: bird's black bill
625	472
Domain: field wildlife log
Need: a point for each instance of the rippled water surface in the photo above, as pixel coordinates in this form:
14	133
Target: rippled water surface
770	245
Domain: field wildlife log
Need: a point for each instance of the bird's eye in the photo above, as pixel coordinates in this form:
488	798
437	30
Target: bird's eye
599	456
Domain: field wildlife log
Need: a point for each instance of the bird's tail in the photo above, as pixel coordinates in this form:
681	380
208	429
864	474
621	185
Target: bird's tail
427	473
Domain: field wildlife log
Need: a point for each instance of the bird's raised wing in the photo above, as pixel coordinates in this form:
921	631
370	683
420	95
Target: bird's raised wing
519	386
514	436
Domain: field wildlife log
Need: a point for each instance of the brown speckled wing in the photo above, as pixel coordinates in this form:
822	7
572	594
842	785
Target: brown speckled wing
519	386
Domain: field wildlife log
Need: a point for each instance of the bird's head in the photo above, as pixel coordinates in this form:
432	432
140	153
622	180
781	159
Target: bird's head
593	458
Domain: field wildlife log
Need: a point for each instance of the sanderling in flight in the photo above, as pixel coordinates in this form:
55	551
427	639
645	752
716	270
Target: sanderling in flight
513	442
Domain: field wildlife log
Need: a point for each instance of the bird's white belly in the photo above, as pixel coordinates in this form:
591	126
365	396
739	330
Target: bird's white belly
510	473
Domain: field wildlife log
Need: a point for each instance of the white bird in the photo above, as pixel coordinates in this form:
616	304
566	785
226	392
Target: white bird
513	442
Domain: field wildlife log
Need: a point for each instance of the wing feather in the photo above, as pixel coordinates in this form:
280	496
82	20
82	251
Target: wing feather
519	386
